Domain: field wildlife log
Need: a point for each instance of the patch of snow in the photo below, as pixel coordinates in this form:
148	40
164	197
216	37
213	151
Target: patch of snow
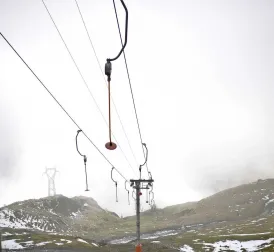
237	246
28	243
81	240
59	243
123	240
51	211
155	242
186	248
266	197
11	244
94	244
8	219
145	236
76	214
159	234
258	220
86	204
6	234
268	202
43	243
246	234
64	240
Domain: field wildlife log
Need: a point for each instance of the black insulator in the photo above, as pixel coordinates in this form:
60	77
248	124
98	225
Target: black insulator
108	68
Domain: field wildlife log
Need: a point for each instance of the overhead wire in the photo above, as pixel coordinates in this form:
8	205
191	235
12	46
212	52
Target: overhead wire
129	80
83	79
94	51
55	99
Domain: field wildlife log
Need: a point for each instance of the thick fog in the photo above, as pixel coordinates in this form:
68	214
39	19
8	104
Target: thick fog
202	78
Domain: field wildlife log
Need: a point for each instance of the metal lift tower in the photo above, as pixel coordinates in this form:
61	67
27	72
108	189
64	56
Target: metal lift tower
51	172
138	185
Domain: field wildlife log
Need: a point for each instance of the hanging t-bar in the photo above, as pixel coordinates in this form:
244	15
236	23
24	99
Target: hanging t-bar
146	156
127	192
114	182
108	69
109	145
150	193
147	193
85	159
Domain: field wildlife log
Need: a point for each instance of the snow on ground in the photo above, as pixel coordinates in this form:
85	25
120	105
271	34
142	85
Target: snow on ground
81	240
237	246
5	222
186	248
43	243
245	234
76	214
94	244
51	211
258	220
59	243
159	234
145	236
8	219
11	244
64	240
268	202
155	242
6	234
266	197
122	241
28	243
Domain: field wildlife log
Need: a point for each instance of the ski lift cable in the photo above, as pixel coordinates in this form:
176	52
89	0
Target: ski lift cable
97	59
60	105
83	79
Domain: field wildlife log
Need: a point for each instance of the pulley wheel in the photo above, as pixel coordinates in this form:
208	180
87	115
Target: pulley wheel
111	146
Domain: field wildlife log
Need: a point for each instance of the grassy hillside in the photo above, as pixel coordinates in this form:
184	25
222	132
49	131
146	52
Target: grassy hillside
246	208
232	205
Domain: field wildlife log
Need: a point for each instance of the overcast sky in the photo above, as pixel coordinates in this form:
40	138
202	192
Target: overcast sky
202	76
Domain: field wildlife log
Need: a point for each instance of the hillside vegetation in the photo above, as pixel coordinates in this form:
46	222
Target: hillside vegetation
247	209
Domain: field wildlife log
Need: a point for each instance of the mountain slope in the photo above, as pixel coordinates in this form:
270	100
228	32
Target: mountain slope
82	216
234	204
254	200
55	214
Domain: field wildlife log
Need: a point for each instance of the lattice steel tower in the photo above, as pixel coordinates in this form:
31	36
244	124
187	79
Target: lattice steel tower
51	172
